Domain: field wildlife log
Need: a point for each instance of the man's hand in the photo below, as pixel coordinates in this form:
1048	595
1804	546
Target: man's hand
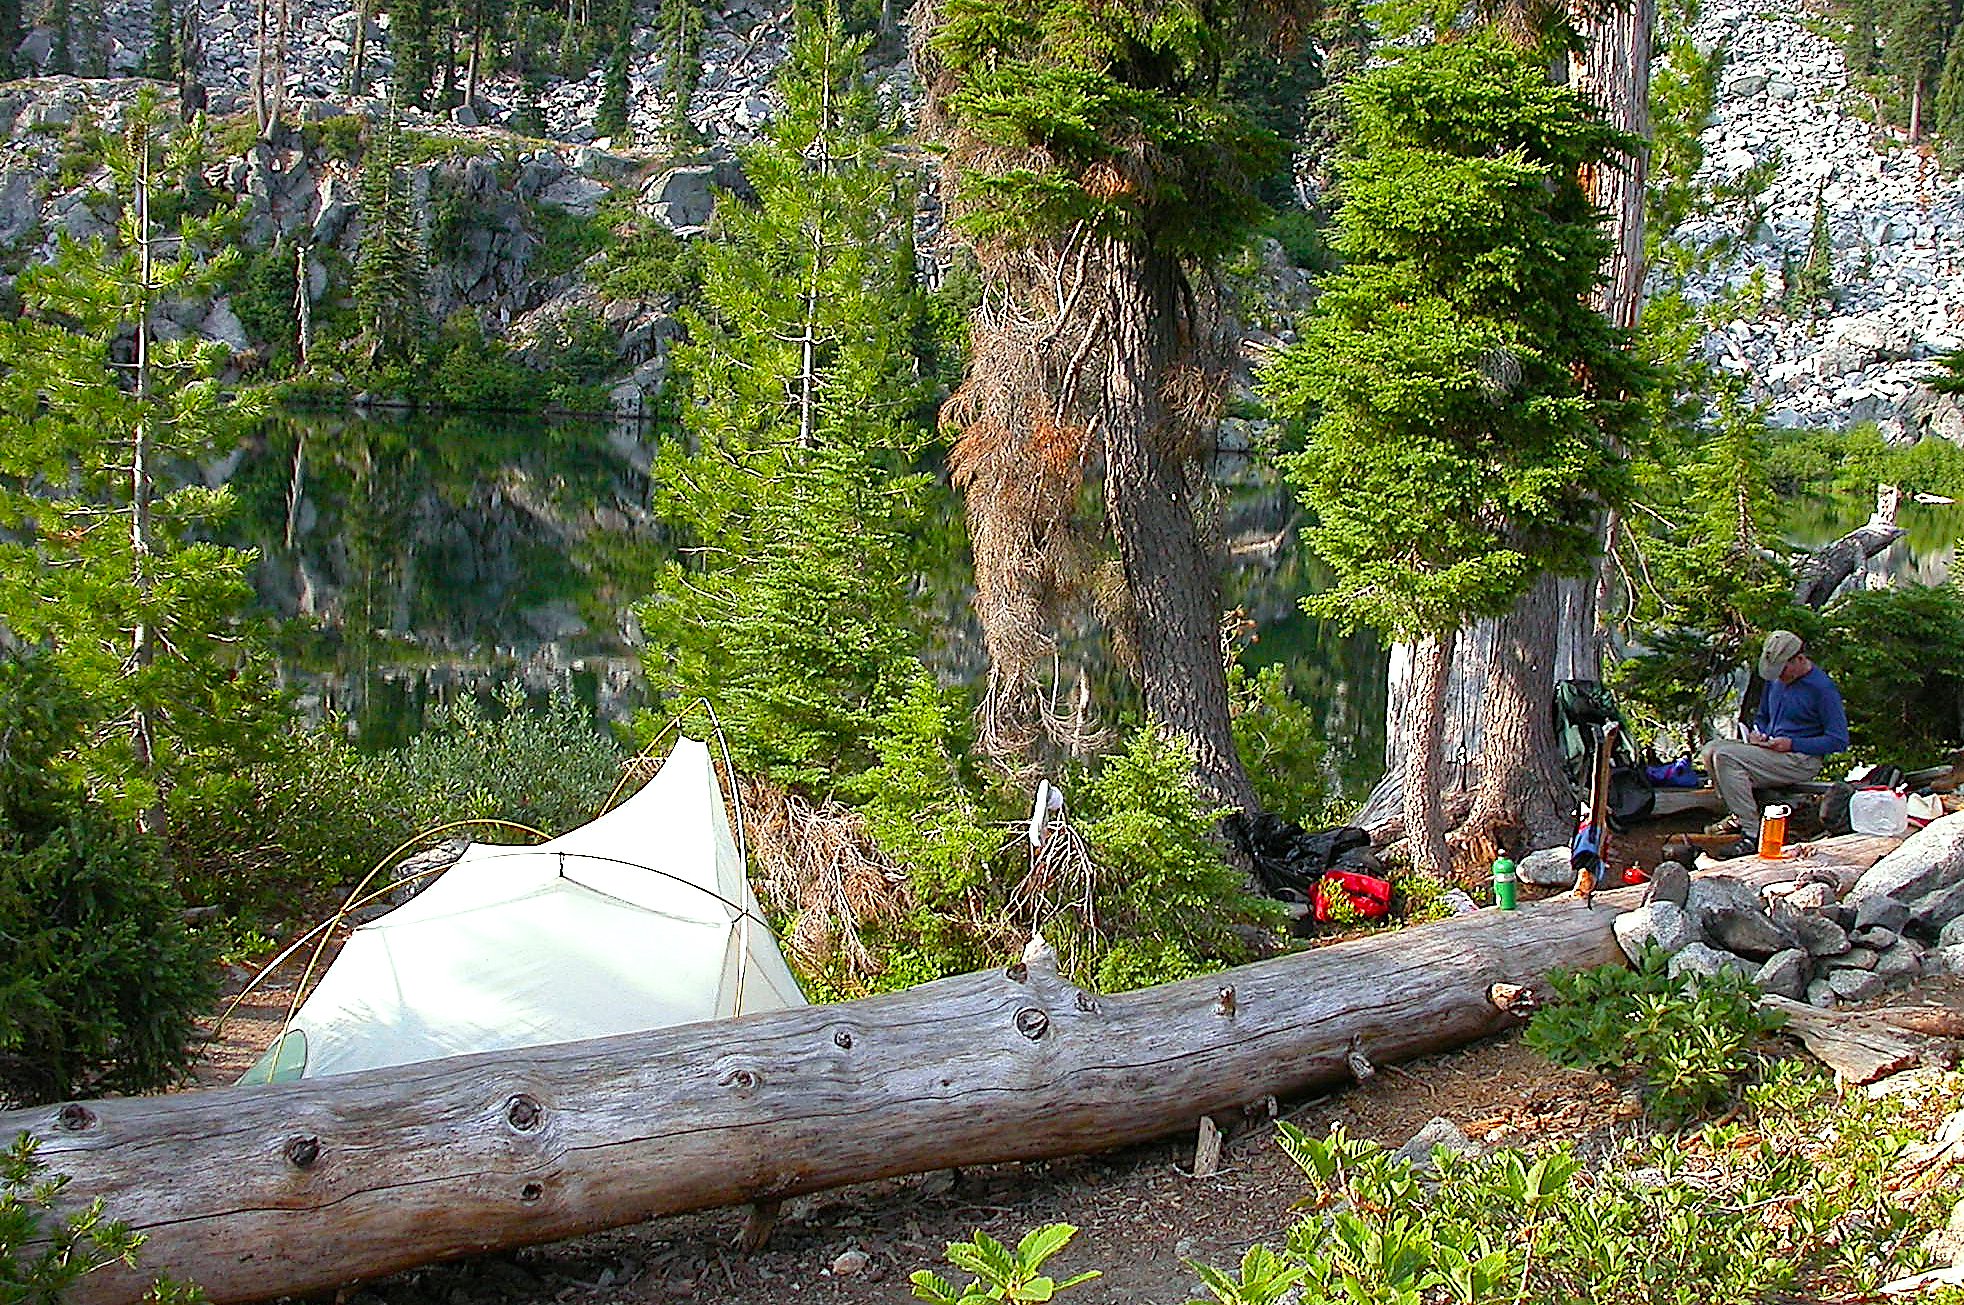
1773	744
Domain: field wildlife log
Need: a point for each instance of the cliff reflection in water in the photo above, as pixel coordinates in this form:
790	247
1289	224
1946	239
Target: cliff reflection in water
408	558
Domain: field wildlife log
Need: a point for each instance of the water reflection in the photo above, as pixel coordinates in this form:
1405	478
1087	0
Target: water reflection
1924	555
409	558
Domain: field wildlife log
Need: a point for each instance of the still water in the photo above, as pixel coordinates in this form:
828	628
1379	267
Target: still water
407	558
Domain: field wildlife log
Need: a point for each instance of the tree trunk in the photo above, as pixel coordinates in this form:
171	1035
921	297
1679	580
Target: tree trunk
1523	800
1823	571
1549	636
1149	500
1425	822
298	1188
142	637
358	50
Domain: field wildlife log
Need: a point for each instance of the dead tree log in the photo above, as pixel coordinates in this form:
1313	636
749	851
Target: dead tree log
276	1190
1861	1046
1823	571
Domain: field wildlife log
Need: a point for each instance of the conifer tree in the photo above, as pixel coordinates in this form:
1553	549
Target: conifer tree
678	30
390	264
412	43
1949	102
1468	400
160	61
10	38
1917	33
795	495
1103	171
610	119
1858	44
104	565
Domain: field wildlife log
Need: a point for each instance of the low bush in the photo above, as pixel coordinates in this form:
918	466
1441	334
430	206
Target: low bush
1689	1043
1897	656
100	981
1002	1273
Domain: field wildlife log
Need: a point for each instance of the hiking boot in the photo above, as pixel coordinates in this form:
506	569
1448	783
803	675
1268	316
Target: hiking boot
1729	825
1746	846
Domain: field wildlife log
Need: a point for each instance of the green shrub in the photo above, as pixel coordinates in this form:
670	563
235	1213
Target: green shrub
1000	1272
567	240
262	296
1167	904
1690	1044
1897	656
40	1258
1793	1205
479	373
1282	746
100	981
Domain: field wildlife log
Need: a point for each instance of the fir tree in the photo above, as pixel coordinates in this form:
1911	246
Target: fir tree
61	57
792	611
679	29
160	61
1948	107
103	564
1913	52
10	39
1858	44
1104	173
390	264
412	42
611	118
1467	398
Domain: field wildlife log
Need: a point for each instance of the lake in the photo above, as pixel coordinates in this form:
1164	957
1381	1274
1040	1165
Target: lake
408	558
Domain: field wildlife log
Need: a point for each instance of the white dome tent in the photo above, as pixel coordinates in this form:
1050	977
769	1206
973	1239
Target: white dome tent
642	919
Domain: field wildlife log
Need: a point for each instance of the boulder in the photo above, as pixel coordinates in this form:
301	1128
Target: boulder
1877	937
1855	958
1854	985
18	209
1820	993
1929	859
1750	933
1785	974
681	199
1670	882
1952	959
579	196
1930	913
1744	85
1703	961
1810	897
223	325
1438	1132
1881	913
1551	867
1953	934
1710	894
1902	962
1660	924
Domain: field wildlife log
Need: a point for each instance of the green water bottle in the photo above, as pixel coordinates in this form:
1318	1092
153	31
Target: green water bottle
1503	884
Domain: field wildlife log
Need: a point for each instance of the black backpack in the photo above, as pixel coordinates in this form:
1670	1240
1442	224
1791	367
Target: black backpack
1584	709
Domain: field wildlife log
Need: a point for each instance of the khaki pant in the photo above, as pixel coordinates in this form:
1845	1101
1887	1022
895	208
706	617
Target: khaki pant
1737	767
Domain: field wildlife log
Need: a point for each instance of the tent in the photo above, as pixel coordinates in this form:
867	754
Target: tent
643	918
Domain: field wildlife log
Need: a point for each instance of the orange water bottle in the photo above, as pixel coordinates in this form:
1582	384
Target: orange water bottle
1773	832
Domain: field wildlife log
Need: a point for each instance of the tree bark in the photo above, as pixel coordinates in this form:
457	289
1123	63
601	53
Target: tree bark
1149	499
1425	823
298	1188
1522	802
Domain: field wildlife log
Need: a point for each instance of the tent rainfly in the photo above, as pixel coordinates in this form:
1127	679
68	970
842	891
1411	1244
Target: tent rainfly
642	919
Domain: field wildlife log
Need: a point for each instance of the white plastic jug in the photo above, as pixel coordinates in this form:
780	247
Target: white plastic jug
1878	811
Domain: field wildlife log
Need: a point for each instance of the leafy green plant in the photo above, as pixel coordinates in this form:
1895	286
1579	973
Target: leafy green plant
1897	655
101	984
1282	745
1690	1044
1000	1273
42	1258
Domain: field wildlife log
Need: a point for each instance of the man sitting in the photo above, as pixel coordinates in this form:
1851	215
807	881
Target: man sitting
1800	722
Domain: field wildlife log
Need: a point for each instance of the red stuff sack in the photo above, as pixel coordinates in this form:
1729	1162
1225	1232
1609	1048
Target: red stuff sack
1368	895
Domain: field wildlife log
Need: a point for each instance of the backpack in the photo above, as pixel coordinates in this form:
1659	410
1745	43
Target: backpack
1584	709
1368	895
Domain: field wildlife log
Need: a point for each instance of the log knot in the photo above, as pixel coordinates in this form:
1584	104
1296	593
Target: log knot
1032	1023
744	1082
1087	1003
524	1112
843	1040
302	1152
1224	1001
75	1118
1018	972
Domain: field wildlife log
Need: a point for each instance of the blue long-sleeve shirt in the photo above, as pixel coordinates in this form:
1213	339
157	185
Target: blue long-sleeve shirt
1808	711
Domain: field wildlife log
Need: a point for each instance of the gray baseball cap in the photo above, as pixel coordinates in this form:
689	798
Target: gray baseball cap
1780	648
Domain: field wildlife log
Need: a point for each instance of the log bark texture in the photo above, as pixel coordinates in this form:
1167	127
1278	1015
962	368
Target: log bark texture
255	1192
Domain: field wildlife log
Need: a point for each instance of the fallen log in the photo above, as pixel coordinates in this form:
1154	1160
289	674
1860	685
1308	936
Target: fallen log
283	1189
1860	1046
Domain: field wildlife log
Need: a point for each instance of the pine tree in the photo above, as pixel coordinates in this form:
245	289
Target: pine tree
1913	52
160	61
611	118
390	263
678	30
412	42
61	56
1949	102
1104	173
795	495
1858	45
1468	400
103	564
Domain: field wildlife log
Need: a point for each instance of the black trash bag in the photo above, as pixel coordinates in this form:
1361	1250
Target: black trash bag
1288	858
